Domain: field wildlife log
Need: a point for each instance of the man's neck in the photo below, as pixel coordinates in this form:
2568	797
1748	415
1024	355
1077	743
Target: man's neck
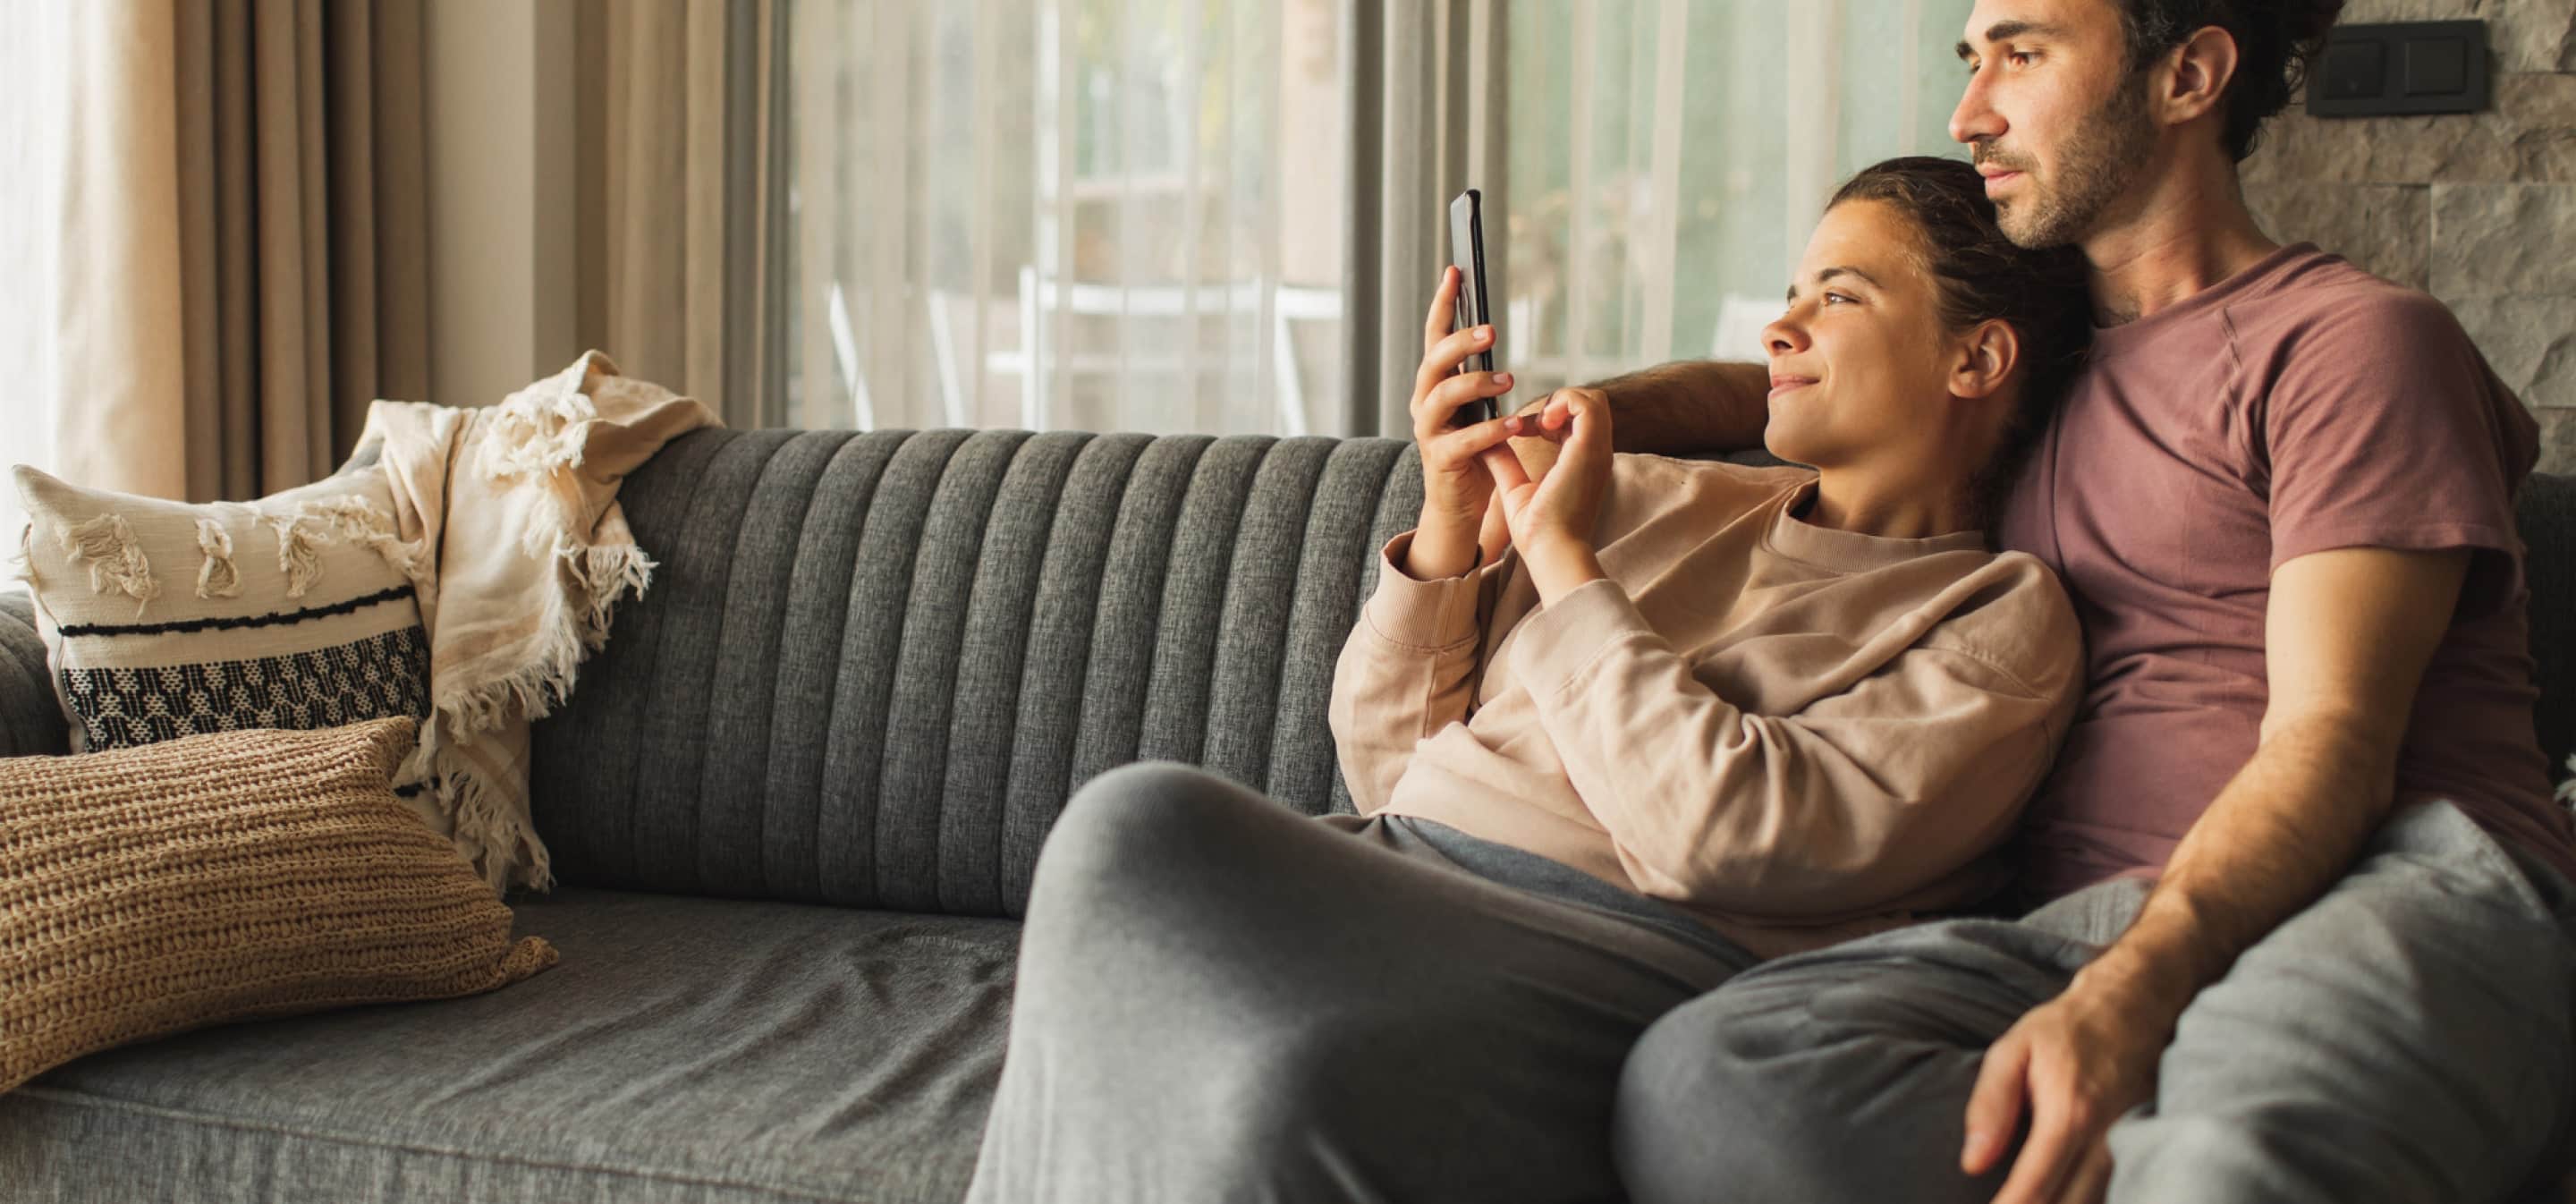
2190	231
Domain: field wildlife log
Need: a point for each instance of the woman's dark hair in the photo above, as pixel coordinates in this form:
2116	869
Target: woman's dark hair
2046	296
2274	41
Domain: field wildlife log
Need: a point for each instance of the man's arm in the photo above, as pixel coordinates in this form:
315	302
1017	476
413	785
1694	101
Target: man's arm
1689	407
2345	644
2346	640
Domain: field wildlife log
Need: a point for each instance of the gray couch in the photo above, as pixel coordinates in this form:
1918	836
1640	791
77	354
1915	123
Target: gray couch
794	808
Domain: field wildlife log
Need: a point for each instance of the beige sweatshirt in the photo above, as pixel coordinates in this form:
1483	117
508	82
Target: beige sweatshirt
1798	734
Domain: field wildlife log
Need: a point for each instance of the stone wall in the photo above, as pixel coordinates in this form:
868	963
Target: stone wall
2478	209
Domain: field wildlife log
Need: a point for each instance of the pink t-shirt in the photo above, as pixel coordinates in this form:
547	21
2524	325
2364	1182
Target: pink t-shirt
2301	406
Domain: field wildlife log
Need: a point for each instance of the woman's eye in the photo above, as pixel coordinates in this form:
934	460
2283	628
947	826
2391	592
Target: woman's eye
1838	299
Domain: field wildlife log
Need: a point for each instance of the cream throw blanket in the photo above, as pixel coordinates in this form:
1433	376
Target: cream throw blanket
518	551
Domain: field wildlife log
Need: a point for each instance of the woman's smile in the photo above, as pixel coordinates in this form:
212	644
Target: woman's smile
1783	384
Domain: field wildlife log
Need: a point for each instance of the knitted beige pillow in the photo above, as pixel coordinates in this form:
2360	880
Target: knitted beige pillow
145	891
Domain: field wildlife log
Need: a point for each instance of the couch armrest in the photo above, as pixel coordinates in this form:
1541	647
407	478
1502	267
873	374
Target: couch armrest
31	722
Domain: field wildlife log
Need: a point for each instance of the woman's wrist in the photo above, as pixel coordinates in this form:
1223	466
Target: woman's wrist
1560	566
1442	547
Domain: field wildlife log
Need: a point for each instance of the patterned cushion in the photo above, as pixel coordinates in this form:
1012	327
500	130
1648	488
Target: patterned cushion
146	891
163	620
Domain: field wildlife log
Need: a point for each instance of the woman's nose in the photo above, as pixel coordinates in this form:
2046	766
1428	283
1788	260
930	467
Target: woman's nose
1783	337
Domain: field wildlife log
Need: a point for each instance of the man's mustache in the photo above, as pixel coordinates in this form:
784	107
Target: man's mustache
1983	153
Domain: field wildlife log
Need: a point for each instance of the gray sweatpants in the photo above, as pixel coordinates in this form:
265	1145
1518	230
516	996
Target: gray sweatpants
2405	1038
1220	999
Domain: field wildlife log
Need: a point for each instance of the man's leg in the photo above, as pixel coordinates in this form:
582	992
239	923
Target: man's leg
1222	1000
2405	1038
1843	1075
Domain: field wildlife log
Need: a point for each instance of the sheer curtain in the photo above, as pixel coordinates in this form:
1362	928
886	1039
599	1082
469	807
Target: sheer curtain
1093	214
1224	215
1669	157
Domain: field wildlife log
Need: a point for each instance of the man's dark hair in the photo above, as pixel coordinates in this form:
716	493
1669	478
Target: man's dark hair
2045	294
2274	41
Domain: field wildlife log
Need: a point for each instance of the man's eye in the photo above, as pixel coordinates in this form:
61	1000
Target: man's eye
2022	58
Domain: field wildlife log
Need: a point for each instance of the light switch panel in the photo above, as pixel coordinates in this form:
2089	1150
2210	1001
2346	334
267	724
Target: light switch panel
2416	67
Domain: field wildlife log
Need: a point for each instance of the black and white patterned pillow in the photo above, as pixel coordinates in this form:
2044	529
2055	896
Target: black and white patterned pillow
163	619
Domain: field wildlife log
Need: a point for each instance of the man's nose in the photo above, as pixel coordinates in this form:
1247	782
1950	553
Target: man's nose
1975	120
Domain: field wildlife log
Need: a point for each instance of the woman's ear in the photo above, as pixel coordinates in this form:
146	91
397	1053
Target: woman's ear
1986	359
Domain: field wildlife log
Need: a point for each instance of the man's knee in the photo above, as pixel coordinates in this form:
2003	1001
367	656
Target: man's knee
1704	1117
1792	1087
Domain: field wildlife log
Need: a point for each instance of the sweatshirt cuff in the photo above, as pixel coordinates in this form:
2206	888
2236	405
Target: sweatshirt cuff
1557	641
1425	615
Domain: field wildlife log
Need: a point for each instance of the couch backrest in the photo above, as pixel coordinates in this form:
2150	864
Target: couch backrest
872	668
31	724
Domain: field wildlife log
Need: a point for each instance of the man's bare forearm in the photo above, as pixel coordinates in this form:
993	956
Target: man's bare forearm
2282	831
1690	407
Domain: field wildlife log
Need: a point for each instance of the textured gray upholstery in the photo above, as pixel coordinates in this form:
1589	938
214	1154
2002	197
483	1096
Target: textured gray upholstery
30	722
869	673
686	1051
872	667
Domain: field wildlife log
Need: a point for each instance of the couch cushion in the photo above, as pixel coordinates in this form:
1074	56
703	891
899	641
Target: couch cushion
684	1050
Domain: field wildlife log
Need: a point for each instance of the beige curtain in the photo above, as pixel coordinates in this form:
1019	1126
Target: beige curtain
681	128
244	262
1429	97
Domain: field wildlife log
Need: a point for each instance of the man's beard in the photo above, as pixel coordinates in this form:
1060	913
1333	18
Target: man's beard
2102	160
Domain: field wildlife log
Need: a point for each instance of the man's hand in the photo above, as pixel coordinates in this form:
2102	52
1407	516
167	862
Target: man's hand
2077	1062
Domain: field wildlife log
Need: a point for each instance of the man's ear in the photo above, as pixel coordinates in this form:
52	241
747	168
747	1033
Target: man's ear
2195	77
1986	359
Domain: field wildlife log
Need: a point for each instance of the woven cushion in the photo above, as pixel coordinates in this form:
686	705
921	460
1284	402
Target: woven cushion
163	620
215	878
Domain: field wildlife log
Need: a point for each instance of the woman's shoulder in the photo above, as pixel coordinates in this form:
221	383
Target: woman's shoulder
1660	491
1709	476
2010	610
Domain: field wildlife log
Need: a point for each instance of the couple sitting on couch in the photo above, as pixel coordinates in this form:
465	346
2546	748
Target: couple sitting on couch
1687	791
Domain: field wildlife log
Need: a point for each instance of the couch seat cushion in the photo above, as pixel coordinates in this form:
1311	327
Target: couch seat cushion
685	1049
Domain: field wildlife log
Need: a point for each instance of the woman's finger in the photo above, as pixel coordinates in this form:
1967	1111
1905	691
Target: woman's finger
1442	360
1444	310
1443	401
1505	468
1526	426
1465	444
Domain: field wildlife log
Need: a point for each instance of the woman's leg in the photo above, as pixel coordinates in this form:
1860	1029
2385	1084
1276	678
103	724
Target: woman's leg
1220	999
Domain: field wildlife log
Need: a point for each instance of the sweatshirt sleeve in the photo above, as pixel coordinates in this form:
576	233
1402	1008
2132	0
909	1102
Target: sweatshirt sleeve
1884	787
1408	669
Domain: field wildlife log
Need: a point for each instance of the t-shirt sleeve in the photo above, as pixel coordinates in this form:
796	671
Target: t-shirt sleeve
2384	428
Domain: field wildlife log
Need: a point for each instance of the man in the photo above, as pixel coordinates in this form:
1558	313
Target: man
2313	937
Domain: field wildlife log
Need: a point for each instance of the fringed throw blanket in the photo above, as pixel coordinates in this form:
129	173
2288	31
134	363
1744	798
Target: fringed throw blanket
520	551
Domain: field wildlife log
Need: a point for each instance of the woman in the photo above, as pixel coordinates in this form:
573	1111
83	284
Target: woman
1688	716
